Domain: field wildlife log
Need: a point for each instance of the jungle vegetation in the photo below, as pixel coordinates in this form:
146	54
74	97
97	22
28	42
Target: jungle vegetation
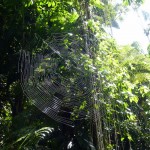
124	71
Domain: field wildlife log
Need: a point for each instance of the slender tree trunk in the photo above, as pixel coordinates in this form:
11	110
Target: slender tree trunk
96	123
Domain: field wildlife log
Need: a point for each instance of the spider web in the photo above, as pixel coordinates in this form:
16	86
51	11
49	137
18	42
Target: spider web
57	81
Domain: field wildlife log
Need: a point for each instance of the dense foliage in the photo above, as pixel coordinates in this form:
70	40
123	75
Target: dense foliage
123	77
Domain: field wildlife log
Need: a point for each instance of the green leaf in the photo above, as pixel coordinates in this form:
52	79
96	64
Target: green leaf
83	105
122	139
129	137
49	4
134	99
97	3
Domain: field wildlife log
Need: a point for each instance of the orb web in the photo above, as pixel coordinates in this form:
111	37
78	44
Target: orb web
56	79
